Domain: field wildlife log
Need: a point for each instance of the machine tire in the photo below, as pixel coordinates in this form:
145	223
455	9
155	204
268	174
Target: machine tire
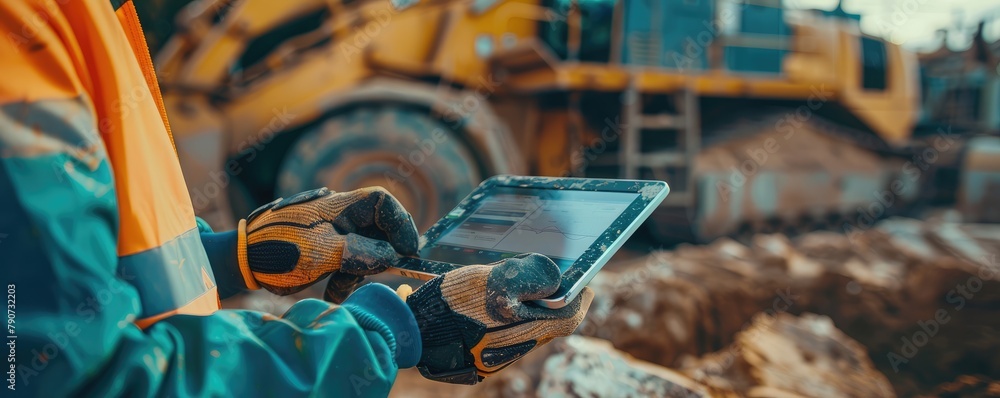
417	158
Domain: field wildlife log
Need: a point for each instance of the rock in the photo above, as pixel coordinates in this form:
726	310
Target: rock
687	302
967	386
588	367
809	356
792	356
917	302
923	298
779	356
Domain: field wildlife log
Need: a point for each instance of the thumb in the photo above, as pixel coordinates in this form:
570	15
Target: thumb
528	277
366	256
573	313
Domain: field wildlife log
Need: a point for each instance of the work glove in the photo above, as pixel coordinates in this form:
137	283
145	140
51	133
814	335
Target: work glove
291	243
476	320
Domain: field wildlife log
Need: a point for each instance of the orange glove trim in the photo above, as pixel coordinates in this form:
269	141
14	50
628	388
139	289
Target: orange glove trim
241	255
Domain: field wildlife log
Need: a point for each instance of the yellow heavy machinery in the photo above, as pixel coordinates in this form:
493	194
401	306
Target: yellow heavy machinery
760	118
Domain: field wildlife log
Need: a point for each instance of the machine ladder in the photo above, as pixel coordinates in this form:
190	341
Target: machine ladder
670	156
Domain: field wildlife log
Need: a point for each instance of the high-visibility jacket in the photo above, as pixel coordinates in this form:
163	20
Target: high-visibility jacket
111	290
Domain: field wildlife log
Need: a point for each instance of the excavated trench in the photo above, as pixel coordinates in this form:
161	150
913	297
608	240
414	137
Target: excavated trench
904	308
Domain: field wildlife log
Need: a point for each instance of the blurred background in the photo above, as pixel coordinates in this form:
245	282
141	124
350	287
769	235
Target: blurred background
834	168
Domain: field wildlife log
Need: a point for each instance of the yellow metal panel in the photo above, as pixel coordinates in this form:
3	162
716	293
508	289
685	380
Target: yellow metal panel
892	112
208	65
777	89
718	85
405	42
553	156
594	77
502	26
457	59
815	58
314	80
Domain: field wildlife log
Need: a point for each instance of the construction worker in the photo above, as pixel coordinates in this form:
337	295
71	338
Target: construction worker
113	286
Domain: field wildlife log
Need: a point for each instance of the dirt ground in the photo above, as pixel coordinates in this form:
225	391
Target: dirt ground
905	308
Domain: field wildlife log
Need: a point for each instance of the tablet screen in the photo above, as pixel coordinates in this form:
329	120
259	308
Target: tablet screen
561	224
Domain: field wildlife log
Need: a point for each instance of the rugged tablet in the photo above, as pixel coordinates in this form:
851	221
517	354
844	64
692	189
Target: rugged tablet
577	222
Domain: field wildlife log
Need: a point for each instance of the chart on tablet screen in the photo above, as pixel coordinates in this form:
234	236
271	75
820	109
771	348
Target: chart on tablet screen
562	228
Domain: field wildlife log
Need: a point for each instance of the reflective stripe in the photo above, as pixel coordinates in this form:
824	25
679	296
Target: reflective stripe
49	112
171	276
204	305
30	129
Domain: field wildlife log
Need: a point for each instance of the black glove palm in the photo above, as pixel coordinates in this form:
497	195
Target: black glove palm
474	321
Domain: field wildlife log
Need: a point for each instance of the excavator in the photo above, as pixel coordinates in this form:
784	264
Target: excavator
761	118
961	93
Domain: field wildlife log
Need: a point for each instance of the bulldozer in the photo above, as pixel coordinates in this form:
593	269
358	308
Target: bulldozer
760	118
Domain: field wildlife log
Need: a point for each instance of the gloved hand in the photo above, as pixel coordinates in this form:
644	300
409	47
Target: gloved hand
474	321
289	244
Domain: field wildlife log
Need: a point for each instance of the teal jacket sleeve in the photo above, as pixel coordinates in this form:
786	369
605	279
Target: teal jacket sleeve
70	315
221	251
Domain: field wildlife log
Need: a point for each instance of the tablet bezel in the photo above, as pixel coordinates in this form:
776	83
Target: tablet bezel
650	195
